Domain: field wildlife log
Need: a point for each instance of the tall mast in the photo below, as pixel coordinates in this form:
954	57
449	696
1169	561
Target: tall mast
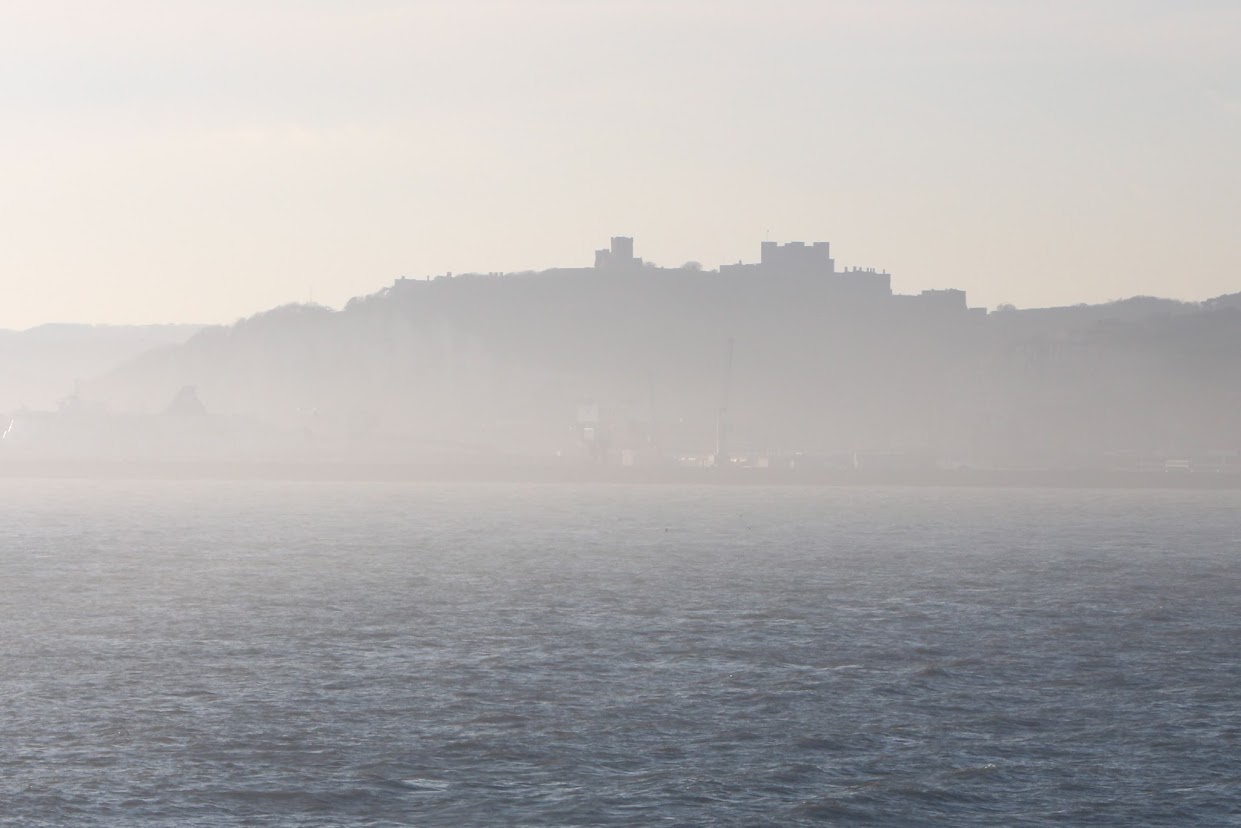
721	419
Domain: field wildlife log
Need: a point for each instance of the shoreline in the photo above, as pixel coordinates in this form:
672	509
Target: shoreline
593	475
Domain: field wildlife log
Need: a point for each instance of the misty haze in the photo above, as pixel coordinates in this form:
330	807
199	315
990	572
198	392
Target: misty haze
620	413
786	368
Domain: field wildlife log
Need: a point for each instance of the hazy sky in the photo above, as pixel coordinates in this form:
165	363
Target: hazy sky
175	160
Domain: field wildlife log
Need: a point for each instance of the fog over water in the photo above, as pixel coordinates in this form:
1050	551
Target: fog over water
421	654
536	412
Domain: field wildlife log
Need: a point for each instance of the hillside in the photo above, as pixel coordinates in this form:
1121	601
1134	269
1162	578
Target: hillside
40	366
507	364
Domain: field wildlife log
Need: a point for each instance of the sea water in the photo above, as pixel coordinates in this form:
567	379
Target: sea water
298	654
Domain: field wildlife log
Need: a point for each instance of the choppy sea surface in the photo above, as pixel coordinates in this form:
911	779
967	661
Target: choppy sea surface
218	654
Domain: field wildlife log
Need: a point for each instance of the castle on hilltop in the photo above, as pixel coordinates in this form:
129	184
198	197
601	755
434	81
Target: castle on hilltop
797	261
788	268
619	255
